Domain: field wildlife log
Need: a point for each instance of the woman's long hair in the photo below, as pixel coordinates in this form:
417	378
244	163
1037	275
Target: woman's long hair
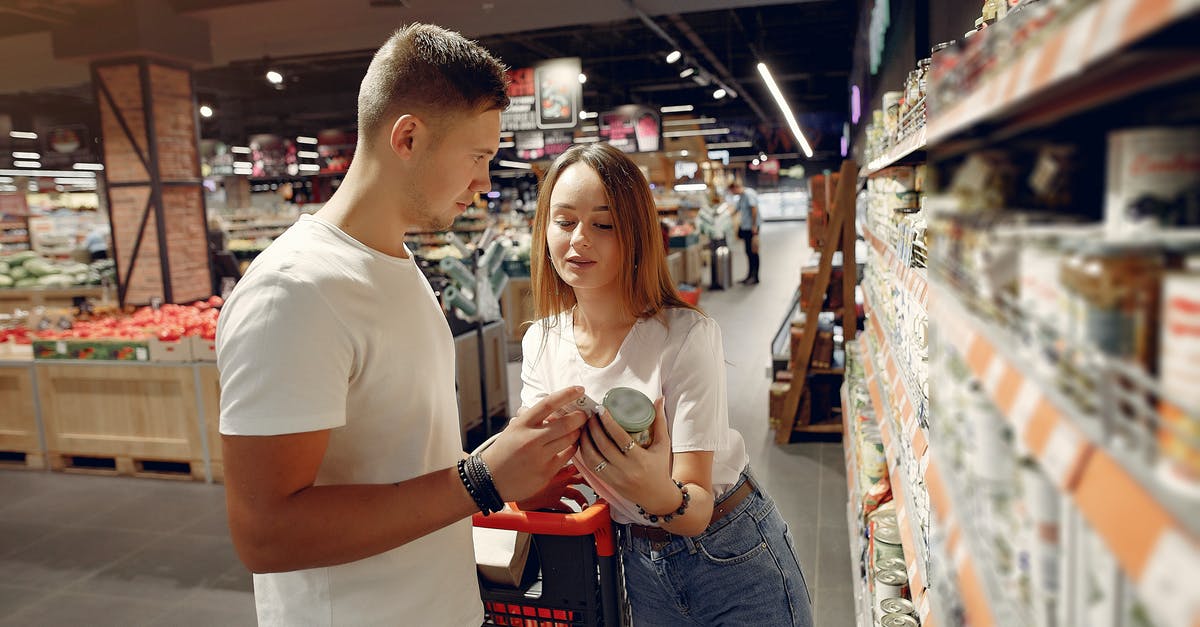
646	285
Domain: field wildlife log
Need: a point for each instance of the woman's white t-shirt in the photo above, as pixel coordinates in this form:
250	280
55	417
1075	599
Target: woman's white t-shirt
325	333
676	355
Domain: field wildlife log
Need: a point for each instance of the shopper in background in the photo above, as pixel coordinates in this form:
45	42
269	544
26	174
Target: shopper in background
97	240
746	206
338	413
702	543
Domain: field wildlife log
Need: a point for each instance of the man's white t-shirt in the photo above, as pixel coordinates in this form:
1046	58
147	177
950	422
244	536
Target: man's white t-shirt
325	333
677	356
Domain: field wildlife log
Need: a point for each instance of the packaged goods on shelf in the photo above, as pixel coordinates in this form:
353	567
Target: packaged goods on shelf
1153	179
1180	371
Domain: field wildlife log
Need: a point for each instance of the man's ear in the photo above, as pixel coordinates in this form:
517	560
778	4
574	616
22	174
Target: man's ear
403	133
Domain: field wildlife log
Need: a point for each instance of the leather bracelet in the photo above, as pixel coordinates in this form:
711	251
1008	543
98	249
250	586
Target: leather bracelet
666	518
475	496
484	483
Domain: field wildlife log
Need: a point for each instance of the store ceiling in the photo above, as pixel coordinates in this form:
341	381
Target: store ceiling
323	53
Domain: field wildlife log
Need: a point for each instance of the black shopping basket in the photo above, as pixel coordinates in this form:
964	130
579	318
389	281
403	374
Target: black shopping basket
579	583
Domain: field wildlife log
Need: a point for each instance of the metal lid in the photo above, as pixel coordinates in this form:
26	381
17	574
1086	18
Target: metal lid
897	620
891	577
887	534
897	605
891	563
630	408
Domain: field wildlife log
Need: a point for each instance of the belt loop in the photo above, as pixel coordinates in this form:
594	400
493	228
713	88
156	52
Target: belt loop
752	480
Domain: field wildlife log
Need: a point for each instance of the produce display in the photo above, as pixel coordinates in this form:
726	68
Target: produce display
169	333
27	269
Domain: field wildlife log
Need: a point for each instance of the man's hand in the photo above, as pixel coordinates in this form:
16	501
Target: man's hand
536	444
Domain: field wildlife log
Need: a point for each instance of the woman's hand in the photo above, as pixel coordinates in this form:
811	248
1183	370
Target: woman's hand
559	489
640	475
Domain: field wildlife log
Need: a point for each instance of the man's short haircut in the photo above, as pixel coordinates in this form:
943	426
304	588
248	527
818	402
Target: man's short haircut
430	71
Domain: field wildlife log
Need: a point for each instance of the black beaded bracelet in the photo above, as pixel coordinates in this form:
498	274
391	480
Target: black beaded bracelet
666	518
482	476
466	481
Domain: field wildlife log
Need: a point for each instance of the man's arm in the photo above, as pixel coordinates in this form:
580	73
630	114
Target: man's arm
281	522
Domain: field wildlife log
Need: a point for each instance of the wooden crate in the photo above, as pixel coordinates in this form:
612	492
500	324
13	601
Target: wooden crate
210	396
495	366
12	299
20	444
127	419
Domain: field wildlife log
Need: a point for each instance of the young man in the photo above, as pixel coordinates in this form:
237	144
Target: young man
746	211
338	413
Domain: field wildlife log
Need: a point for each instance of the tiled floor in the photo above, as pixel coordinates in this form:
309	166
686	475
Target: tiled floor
81	550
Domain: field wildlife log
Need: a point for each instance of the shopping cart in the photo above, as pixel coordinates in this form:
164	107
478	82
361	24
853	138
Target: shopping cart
579	583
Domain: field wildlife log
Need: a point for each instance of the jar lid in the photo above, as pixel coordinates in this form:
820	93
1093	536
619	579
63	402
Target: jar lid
890	563
630	408
887	534
892	577
896	605
897	620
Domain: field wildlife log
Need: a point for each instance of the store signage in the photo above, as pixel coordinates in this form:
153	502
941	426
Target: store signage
65	145
632	128
336	150
546	96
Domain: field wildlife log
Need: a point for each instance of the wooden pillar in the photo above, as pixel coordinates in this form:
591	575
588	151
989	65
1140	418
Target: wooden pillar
141	53
155	194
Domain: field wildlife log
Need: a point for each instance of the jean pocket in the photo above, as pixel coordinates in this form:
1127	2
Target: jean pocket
737	541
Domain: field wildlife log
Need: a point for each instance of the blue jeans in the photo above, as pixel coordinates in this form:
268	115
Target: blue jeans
742	570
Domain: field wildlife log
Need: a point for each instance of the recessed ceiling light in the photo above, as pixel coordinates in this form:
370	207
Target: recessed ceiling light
674	56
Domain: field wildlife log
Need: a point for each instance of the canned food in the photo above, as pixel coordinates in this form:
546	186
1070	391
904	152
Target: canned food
897	620
897	605
891	563
890	583
1153	178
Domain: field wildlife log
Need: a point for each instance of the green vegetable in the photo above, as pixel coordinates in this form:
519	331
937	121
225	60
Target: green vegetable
18	273
26	282
56	280
6	281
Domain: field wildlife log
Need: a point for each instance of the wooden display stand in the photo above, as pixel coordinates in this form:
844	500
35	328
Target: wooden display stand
122	419
495	354
20	441
13	299
209	382
840	236
516	304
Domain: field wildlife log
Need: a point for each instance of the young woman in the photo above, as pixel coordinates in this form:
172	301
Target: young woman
702	543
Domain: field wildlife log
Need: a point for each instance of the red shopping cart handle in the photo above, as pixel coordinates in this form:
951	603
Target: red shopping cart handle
594	520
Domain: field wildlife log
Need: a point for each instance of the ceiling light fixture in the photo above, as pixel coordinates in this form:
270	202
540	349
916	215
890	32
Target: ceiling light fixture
783	106
306	140
88	166
687	72
587	115
755	161
762	156
689	121
719	93
515	164
308	154
27	164
206	111
674	56
274	77
676	109
22	135
506	144
26	155
582	78
245	150
697	132
730	145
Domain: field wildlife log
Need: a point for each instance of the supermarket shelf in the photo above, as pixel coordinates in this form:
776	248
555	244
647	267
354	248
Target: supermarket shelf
915	559
1157	548
914	280
13	239
910	150
1073	68
863	616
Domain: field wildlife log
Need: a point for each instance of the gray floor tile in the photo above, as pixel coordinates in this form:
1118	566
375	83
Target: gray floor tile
68	555
835	608
13	598
65	502
161	509
168	570
235	579
16	536
86	609
214	522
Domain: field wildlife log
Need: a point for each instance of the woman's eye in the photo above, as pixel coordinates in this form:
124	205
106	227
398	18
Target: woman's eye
604	227
565	224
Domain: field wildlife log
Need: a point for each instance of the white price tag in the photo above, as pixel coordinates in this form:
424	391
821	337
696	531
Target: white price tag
60	347
141	354
1062	453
